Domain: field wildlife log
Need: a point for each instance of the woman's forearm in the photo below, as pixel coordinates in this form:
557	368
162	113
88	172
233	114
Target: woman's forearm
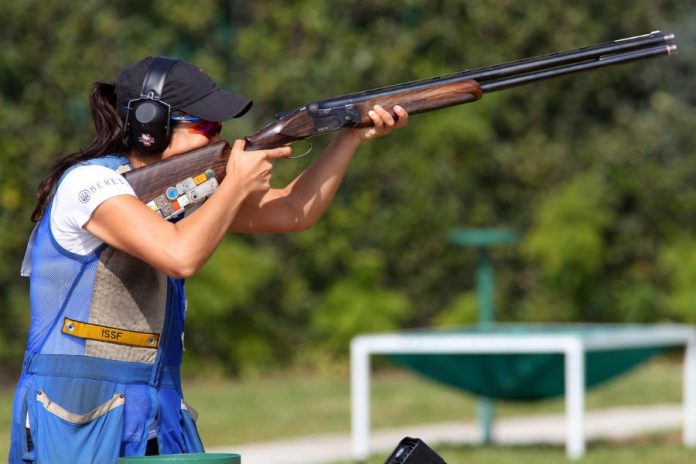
312	191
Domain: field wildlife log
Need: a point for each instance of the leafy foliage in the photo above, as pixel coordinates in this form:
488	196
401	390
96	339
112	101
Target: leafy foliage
595	170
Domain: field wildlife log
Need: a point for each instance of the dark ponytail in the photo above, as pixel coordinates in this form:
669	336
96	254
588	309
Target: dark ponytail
109	139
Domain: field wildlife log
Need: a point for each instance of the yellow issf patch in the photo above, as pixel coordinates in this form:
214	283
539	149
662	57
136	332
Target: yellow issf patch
200	178
109	334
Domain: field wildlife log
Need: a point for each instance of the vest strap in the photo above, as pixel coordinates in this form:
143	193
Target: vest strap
80	419
103	333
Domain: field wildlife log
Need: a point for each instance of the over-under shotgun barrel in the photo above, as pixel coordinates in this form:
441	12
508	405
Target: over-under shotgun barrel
534	69
585	54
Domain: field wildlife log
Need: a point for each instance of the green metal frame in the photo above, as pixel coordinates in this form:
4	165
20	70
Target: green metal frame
483	239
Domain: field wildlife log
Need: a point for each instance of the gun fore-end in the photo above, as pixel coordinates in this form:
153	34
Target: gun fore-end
424	99
182	181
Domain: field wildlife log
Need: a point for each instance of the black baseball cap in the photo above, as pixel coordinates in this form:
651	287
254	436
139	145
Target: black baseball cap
186	88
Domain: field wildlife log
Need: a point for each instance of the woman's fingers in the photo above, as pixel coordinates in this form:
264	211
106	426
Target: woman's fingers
385	118
239	144
271	153
375	116
402	116
281	152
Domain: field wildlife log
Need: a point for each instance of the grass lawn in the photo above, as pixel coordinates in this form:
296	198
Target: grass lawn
291	404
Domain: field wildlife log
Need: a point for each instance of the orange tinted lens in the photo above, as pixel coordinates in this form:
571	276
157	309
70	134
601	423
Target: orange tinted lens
208	128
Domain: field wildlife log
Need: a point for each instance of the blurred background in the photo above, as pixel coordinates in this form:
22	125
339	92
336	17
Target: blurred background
595	171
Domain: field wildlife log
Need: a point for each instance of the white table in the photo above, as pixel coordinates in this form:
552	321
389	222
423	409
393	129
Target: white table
572	346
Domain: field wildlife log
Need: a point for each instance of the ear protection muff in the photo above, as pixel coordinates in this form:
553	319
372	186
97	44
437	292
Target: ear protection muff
148	118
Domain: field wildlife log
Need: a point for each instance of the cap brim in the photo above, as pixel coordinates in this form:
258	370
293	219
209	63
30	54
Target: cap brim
219	105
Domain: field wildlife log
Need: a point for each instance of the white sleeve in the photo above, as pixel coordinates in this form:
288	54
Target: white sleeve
78	195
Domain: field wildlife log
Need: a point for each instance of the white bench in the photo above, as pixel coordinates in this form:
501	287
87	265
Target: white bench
573	346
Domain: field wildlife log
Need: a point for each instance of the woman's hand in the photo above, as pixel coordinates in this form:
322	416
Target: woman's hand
383	123
251	170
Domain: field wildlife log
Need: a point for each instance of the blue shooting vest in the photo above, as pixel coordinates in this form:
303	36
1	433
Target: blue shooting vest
103	358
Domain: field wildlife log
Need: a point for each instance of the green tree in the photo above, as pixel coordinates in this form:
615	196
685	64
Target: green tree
595	170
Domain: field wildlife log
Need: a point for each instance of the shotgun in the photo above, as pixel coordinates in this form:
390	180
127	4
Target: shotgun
172	186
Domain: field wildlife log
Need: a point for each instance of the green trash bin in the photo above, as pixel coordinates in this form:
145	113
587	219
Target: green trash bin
191	458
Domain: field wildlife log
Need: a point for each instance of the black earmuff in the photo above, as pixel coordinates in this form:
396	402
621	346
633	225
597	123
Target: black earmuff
148	118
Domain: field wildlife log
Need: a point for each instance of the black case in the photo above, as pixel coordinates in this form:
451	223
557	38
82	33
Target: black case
413	451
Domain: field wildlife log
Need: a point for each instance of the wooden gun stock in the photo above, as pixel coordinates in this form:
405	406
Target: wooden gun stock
203	167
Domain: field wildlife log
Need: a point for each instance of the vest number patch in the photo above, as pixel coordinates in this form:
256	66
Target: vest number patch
109	334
